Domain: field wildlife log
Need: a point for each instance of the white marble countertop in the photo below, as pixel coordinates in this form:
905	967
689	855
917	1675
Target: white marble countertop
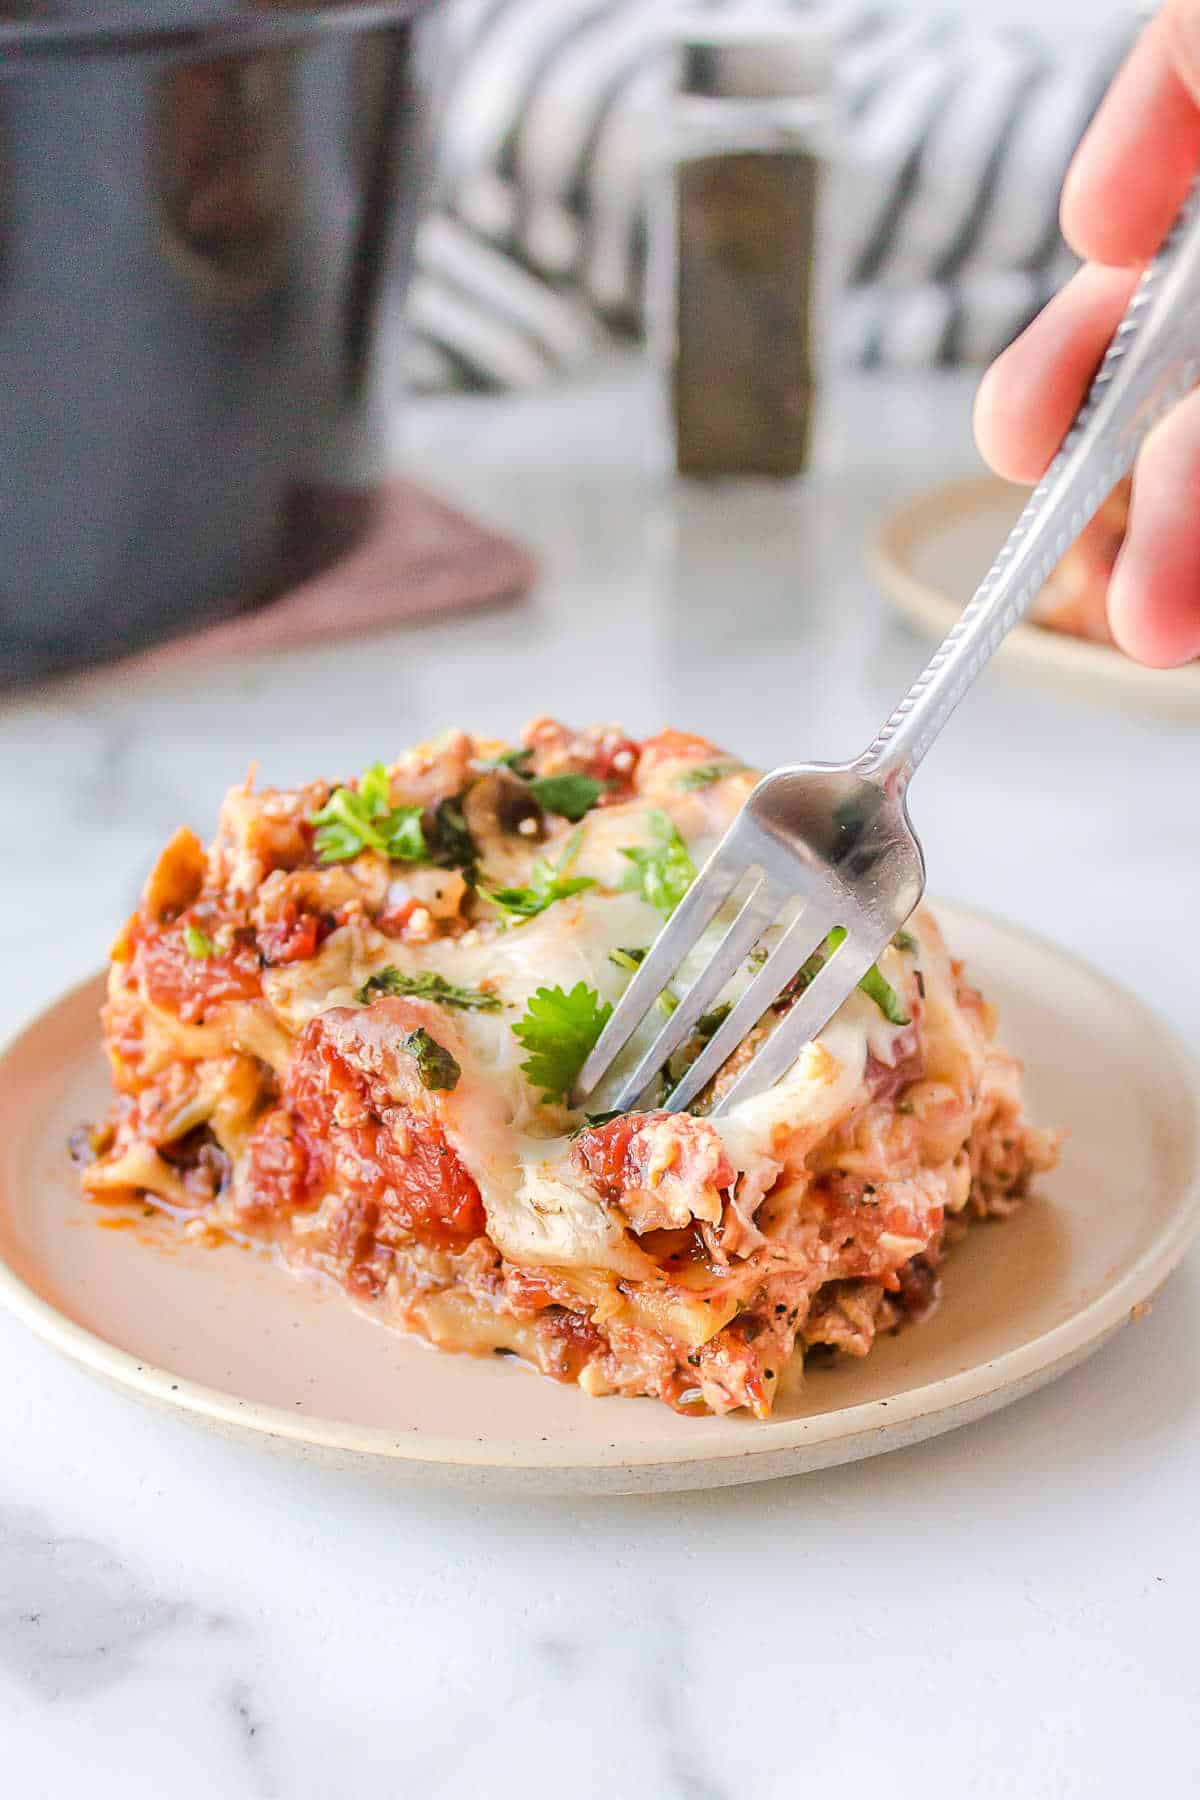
1007	1611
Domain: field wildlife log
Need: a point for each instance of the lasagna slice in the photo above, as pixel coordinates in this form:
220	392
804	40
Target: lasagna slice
349	1031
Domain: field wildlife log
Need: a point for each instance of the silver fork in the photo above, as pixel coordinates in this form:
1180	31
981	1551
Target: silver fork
835	838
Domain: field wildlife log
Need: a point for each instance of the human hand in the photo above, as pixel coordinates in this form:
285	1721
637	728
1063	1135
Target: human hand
1124	187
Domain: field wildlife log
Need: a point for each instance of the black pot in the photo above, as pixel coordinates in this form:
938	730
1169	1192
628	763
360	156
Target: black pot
201	211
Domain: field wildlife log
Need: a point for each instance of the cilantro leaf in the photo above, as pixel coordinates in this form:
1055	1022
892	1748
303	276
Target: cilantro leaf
548	882
663	872
709	1023
374	790
428	985
592	1120
877	988
703	775
571	796
435	1065
362	818
453	847
403	836
516	760
559	1029
198	942
633	959
904	940
873	984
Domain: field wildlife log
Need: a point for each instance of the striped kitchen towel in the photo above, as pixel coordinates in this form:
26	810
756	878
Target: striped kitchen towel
957	140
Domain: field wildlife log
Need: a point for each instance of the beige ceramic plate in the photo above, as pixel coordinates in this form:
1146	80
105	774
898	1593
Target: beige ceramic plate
233	1340
930	556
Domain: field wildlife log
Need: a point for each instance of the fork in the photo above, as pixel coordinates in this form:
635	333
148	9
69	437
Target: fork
834	840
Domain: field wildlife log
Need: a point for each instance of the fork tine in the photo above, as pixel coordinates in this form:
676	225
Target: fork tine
759	910
712	887
802	938
811	1013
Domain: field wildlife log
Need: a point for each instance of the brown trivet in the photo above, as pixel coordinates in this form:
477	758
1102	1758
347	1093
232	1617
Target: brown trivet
416	556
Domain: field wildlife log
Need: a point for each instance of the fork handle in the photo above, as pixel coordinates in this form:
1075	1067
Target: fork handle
1152	361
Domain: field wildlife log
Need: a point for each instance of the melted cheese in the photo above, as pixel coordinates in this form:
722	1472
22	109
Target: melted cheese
541	1209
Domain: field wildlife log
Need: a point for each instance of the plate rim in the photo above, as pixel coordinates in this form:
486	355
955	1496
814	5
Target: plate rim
1052	654
948	1401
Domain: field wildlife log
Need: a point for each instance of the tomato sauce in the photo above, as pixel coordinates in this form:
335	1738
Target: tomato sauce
292	938
388	1158
854	1222
281	1163
569	1342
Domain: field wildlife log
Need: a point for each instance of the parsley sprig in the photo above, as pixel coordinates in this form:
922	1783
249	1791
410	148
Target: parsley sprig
663	871
559	1029
548	882
363	818
702	775
428	985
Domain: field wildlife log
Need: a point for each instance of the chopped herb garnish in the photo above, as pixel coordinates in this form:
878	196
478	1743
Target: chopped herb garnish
559	1029
435	1065
904	940
667	1001
663	872
375	791
874	985
709	1023
426	986
404	840
198	942
571	796
363	818
877	988
704	774
548	882
452	847
591	1120
516	760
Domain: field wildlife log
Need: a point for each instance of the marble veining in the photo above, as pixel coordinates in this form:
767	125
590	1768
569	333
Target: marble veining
75	1619
1005	1613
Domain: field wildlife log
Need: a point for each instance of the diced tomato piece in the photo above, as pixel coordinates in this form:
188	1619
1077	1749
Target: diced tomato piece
675	746
293	938
601	1151
190	986
394	918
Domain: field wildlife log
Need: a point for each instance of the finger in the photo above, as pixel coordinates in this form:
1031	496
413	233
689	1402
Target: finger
1033	390
1154	595
1137	158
